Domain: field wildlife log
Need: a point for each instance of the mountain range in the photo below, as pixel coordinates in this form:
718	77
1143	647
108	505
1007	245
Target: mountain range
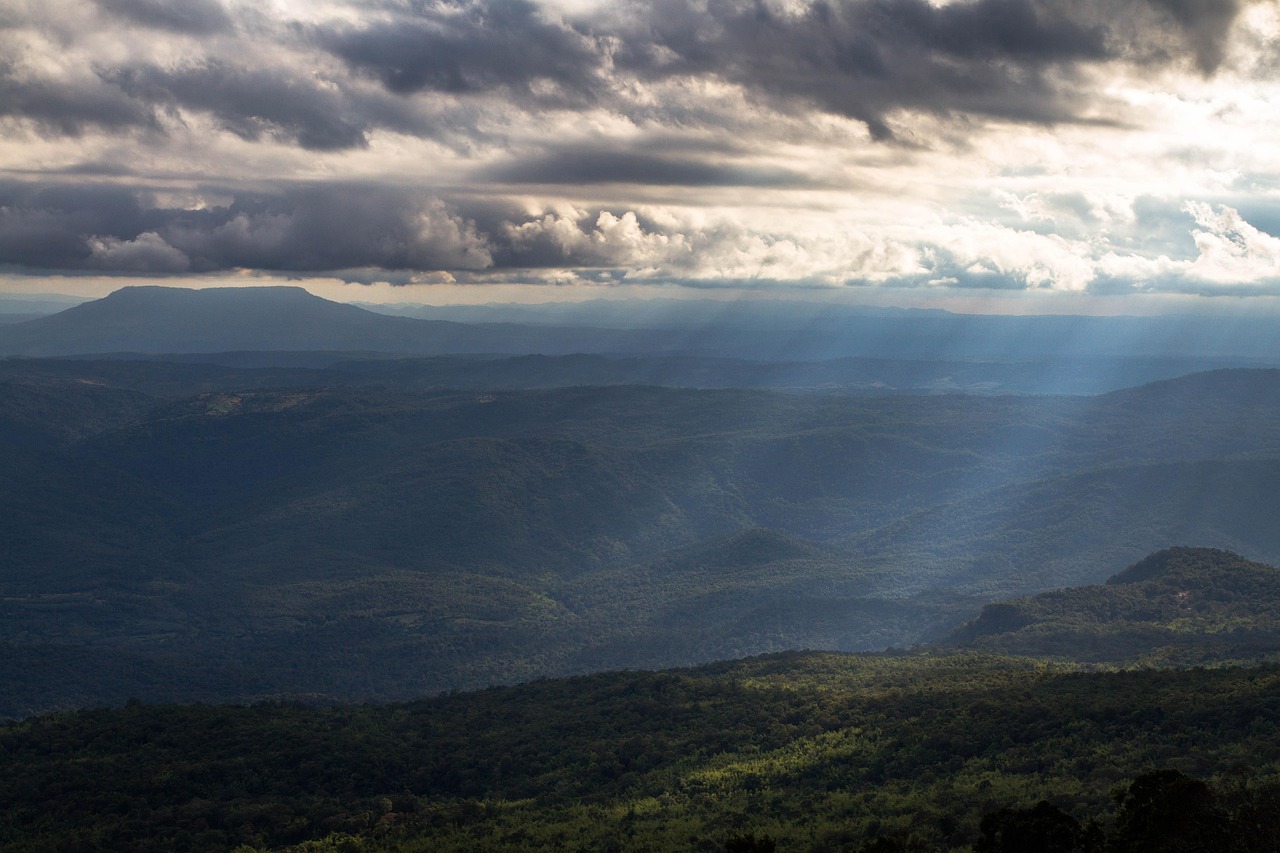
171	341
155	319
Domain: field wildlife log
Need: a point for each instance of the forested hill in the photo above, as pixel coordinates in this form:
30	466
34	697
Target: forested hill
1178	606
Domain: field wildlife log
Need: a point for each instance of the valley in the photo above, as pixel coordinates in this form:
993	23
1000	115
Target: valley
322	600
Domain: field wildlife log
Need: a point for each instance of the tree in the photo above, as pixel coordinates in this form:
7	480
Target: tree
1167	810
1043	827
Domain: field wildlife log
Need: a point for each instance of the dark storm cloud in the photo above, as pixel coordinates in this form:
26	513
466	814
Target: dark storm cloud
196	17
69	107
251	103
1204	25
469	47
729	99
1005	58
863	59
304	229
46	227
586	166
300	229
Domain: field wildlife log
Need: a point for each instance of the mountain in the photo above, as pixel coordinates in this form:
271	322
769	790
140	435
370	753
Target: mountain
153	319
1180	605
179	320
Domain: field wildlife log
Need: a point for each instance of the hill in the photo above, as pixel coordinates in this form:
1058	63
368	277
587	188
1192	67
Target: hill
1178	606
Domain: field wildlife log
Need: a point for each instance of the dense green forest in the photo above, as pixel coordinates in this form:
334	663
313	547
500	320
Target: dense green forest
378	542
814	752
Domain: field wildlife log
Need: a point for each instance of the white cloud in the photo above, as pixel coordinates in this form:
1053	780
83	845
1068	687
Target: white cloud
444	240
149	253
1231	251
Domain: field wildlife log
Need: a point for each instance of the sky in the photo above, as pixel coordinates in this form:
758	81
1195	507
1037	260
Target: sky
1021	156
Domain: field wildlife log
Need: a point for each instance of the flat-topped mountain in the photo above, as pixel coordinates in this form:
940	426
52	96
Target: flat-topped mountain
178	320
172	320
1179	606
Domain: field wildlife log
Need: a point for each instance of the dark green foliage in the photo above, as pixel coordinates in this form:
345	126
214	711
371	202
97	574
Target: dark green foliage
1167	811
750	844
1043	827
812	752
881	845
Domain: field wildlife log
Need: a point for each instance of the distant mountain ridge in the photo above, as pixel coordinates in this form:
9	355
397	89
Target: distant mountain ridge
154	319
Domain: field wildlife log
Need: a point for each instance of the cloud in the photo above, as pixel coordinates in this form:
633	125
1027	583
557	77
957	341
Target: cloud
69	104
373	232
1230	249
663	247
44	227
863	59
148	253
590	166
331	228
1232	258
308	82
1205	26
196	17
300	229
470	47
1027	144
250	103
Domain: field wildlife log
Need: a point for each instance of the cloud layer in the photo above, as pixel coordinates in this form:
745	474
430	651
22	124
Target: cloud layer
1065	145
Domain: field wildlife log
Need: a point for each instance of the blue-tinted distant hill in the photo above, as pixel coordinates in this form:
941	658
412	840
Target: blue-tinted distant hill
781	329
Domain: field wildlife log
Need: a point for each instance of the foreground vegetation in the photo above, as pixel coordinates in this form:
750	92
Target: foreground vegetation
807	751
